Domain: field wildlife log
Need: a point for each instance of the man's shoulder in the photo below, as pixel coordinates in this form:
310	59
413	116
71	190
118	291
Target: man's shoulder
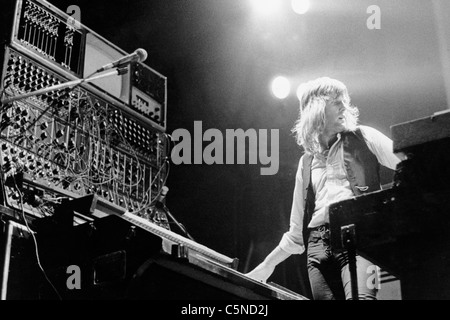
368	132
364	133
366	129
306	156
304	161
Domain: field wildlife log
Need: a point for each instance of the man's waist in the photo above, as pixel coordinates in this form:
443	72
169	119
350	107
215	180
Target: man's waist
319	232
322	227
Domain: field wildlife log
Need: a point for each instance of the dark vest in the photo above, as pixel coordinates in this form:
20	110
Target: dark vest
362	167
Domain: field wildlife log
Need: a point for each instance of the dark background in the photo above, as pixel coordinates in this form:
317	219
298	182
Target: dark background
219	57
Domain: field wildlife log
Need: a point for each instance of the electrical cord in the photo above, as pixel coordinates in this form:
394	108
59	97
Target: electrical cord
34	240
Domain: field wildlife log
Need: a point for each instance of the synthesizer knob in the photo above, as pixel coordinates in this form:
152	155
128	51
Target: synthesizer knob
81	149
71	145
74	114
59	133
15	196
44	125
56	143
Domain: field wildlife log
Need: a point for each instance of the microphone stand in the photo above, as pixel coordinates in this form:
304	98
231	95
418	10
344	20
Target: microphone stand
70	84
181	226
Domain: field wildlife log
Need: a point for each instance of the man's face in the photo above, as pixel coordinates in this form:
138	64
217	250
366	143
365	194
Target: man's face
335	121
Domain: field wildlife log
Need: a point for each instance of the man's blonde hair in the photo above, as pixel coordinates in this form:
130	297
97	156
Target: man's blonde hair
314	96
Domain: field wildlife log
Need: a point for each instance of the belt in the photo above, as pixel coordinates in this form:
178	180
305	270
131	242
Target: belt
323	227
320	232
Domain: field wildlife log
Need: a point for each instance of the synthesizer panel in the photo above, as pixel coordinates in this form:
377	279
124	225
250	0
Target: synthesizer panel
74	142
49	35
42	31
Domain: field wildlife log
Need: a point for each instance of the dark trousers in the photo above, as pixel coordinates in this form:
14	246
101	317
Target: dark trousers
329	273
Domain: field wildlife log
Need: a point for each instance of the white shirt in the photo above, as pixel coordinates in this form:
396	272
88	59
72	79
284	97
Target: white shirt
330	184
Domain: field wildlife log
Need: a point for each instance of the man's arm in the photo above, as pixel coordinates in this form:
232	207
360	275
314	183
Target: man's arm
382	147
265	269
292	240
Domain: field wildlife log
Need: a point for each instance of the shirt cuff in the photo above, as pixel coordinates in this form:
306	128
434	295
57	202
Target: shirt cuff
288	245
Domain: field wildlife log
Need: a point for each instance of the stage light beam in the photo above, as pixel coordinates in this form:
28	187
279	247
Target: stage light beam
266	7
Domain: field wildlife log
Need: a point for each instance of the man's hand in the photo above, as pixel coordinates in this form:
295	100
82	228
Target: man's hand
261	273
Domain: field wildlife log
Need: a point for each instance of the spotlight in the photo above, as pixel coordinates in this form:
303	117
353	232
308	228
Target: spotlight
300	6
281	87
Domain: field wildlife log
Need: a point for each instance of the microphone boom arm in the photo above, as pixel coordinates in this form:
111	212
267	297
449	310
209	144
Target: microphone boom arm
60	86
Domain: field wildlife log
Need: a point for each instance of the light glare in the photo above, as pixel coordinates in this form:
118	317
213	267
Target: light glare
300	90
266	7
281	87
300	6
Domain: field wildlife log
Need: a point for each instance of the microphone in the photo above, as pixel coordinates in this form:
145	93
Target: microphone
140	55
160	201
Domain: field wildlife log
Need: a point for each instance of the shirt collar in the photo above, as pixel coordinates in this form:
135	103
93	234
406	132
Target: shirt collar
324	154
